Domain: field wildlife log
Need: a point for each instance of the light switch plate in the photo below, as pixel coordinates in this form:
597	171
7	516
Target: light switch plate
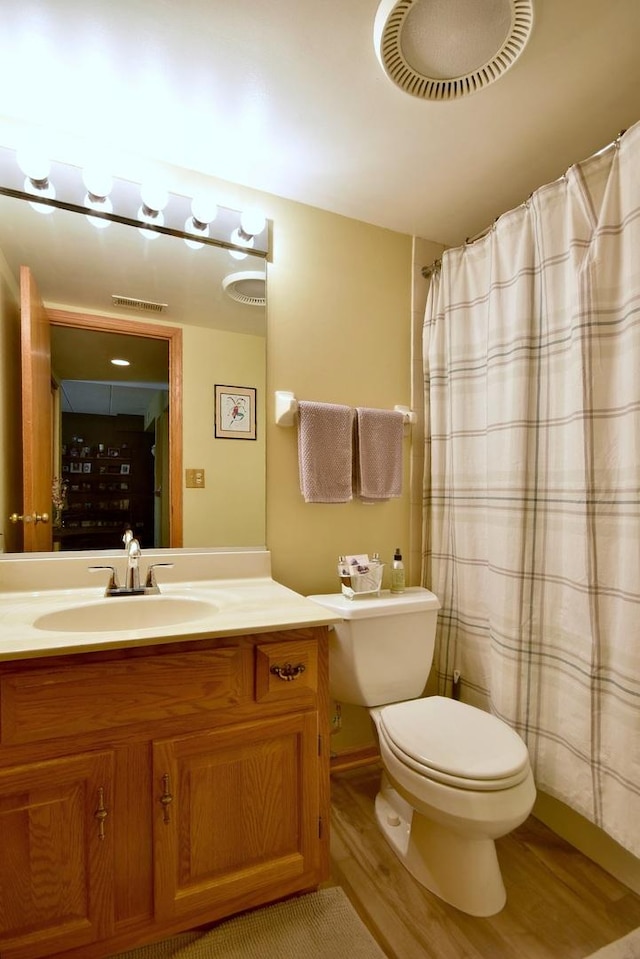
194	479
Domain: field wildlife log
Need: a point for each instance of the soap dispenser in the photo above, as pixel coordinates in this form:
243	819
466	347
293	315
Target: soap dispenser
397	572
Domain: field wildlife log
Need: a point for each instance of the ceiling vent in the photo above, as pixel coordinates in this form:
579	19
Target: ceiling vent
448	49
248	287
144	306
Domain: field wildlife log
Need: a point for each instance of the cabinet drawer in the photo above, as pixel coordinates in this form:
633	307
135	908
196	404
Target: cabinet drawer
287	672
49	703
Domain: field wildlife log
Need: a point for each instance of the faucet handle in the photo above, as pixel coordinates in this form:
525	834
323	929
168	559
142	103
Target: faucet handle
151	582
113	585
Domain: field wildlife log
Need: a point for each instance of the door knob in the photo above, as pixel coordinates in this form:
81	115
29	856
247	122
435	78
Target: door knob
29	518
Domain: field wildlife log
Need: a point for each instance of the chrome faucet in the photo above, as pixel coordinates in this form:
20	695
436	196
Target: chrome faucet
132	546
132	585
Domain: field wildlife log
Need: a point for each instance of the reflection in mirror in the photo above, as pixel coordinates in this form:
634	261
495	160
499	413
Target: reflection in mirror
119	273
110	440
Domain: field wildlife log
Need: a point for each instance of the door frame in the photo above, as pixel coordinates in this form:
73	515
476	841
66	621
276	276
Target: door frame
173	337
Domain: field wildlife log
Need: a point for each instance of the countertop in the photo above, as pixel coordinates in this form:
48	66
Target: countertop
252	603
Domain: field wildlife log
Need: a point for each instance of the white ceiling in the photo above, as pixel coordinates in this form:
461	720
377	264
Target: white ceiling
288	97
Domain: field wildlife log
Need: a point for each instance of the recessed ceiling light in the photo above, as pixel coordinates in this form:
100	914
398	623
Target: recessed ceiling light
121	362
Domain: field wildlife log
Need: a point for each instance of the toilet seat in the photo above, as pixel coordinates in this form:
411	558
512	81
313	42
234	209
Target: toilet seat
454	744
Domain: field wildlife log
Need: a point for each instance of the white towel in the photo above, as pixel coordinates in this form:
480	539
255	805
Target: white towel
325	452
379	454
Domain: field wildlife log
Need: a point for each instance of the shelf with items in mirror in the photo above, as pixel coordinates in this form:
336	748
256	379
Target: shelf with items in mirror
95	466
108	466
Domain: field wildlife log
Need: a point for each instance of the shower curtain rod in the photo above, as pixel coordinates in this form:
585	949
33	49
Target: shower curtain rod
428	271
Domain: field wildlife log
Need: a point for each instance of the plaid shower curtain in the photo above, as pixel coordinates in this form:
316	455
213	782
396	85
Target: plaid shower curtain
532	480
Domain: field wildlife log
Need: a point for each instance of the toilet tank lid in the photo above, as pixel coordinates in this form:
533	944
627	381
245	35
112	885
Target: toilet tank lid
415	599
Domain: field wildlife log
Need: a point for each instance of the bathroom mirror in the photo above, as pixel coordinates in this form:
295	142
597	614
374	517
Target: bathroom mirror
117	272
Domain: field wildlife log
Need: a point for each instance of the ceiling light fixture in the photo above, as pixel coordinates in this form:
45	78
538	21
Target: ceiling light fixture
152	209
447	49
117	362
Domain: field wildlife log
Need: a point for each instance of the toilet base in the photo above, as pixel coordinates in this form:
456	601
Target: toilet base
462	871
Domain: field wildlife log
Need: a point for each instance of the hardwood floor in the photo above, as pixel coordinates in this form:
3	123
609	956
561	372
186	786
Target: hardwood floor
560	905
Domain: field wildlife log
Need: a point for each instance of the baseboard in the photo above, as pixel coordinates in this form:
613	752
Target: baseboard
352	758
589	839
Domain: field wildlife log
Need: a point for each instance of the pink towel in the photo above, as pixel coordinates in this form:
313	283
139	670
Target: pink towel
325	452
379	454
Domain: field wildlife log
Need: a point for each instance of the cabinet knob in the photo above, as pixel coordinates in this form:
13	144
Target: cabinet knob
288	672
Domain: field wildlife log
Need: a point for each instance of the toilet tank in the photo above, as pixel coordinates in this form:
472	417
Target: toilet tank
382	650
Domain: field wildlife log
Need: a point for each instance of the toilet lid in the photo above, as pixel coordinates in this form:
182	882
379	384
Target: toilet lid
455	743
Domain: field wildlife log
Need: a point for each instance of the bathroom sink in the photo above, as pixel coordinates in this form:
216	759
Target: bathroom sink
126	613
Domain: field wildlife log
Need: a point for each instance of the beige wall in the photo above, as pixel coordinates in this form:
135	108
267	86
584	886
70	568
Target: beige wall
230	509
339	331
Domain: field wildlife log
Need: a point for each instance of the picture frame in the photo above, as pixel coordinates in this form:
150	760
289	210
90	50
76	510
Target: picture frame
235	412
75	467
124	469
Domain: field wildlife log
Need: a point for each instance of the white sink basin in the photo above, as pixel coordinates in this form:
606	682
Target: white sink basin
125	613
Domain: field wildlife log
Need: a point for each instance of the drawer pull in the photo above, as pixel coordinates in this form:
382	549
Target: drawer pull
288	672
101	813
166	799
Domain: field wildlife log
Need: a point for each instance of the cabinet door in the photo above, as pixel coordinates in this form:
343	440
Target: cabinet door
56	855
236	820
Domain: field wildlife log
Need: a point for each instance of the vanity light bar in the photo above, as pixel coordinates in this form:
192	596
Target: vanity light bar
130	221
125	196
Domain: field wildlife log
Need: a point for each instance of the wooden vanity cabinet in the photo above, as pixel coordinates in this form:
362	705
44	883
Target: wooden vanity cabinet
155	789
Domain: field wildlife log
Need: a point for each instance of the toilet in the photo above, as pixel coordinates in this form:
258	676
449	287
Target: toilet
455	778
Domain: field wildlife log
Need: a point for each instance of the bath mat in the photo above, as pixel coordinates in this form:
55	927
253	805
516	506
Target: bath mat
626	948
320	925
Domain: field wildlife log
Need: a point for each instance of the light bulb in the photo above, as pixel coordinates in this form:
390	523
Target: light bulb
239	240
193	225
101	205
204	209
97	181
150	216
252	221
33	163
46	189
154	195
36	166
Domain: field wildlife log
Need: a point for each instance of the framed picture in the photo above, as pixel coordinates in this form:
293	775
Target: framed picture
75	467
235	413
113	451
124	469
86	467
